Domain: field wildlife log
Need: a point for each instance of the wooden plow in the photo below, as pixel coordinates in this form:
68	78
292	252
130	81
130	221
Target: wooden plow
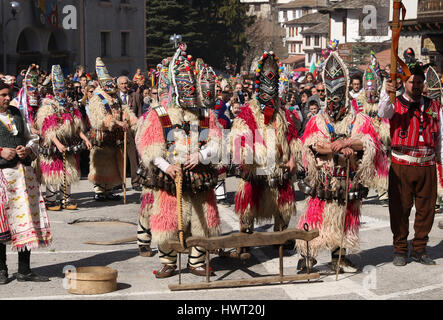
255	239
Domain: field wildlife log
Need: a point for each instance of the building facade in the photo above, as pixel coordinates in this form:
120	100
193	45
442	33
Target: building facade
73	32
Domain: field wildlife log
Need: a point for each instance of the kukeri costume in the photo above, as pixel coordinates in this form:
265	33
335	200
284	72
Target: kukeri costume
263	142
144	235
167	137
325	182
59	121
106	116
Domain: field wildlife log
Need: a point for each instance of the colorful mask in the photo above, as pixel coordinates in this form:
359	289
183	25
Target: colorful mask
335	76
31	86
58	85
181	76
434	85
163	81
205	84
372	81
283	84
267	83
106	82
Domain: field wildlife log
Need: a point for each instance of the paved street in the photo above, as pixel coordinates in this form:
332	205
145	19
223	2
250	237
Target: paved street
135	273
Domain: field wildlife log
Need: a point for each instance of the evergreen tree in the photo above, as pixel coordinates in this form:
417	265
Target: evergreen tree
213	29
360	51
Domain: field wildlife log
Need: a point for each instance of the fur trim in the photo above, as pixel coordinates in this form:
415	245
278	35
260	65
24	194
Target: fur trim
52	170
105	166
440	180
151	142
328	217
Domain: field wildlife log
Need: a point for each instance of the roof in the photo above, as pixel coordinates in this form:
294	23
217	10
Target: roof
383	58
354	4
321	28
295	4
294	59
312	18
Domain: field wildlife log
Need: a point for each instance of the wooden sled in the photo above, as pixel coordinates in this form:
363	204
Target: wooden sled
255	239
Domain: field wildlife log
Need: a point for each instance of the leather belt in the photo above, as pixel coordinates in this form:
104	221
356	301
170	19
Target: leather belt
401	156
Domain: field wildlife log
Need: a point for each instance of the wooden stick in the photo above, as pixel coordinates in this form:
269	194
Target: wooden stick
344	218
124	166
178	187
243	282
64	180
394	44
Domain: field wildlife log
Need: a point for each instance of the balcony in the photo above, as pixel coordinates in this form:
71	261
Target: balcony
430	11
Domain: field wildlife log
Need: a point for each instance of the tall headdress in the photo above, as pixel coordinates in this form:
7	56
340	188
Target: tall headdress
336	81
163	81
372	81
31	86
266	88
283	84
58	85
434	84
104	78
181	76
205	84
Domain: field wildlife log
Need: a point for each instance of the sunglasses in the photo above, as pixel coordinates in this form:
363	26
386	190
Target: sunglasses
92	91
321	90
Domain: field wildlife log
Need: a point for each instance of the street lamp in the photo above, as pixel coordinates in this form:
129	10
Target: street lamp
14	6
175	39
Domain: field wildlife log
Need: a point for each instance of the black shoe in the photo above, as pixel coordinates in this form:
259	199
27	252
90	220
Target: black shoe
399	260
423	259
137	188
4	277
31	277
303	268
99	197
113	197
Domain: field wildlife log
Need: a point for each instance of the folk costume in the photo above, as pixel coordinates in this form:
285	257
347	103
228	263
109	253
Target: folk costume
325	182
107	117
416	150
24	222
265	146
169	137
144	236
59	122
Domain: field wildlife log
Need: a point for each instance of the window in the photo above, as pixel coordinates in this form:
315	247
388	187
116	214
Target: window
296	31
105	44
309	57
285	15
308	41
125	44
317	41
124	1
257	7
299	48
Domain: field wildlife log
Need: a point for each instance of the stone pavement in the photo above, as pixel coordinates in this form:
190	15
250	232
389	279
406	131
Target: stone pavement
378	280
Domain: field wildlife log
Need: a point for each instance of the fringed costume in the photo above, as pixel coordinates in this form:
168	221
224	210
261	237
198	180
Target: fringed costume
168	138
59	122
265	146
107	116
325	182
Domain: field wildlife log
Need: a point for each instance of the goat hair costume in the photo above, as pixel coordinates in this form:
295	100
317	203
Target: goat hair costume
325	182
263	140
107	138
171	133
56	118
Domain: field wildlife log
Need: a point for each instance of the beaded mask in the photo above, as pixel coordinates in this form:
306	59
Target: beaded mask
267	83
205	84
31	86
335	76
163	81
372	81
105	80
181	76
58	85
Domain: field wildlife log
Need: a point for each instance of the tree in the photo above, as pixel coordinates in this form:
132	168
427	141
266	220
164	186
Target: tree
360	51
213	29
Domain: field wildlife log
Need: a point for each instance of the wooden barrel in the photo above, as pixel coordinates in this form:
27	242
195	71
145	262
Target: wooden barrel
91	280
